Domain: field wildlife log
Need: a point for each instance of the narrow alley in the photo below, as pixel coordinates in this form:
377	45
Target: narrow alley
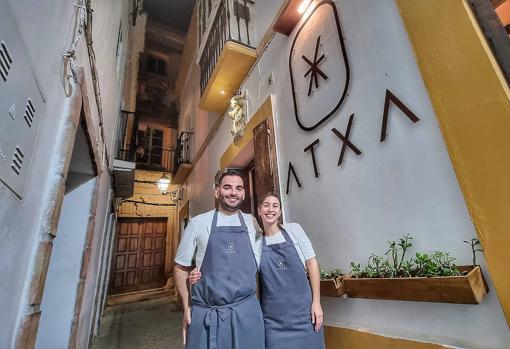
150	324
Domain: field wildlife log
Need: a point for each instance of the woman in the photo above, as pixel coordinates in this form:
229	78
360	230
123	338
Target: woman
290	302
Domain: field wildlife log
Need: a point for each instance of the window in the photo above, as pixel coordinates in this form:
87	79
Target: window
494	19
155	65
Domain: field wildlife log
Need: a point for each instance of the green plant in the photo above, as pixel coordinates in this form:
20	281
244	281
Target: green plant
396	249
437	264
474	243
395	265
355	269
329	273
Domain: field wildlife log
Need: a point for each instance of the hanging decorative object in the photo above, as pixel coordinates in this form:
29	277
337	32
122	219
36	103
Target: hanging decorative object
237	112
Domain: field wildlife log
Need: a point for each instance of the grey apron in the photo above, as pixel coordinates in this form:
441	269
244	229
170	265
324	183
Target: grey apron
225	312
286	299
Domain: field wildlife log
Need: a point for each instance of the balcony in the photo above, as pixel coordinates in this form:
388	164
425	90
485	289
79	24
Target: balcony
227	55
138	149
123	165
183	164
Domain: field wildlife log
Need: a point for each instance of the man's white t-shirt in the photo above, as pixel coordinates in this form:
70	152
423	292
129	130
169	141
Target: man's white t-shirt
196	235
299	238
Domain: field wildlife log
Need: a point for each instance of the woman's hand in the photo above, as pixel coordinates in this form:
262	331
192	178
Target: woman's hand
194	276
317	316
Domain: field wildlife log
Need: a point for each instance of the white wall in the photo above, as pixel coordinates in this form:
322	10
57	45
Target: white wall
87	308
64	272
101	283
46	28
404	185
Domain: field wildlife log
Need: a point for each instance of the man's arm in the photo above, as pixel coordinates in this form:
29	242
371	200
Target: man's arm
183	258
181	284
181	274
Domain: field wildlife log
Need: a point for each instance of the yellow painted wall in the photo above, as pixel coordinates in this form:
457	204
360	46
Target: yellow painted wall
342	338
472	103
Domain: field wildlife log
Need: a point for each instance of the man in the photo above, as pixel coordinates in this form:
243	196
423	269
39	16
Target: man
224	311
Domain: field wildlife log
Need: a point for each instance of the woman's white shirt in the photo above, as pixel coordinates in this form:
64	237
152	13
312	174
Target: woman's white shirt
299	238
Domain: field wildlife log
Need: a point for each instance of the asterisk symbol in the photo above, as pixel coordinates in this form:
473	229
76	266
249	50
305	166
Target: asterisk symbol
314	68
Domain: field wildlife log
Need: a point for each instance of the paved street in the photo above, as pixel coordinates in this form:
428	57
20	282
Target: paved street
153	324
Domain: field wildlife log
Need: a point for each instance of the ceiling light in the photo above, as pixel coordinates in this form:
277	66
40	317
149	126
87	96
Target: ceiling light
304	5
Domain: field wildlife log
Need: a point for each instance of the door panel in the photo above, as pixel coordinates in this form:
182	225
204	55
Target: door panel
246	204
139	255
266	167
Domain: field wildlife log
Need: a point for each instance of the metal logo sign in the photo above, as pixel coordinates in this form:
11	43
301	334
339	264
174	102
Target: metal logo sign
318	67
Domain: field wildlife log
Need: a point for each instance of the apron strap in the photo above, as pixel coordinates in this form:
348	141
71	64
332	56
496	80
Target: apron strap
214	223
223	312
286	235
241	219
288	240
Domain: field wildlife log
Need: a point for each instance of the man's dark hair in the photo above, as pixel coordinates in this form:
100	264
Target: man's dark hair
229	172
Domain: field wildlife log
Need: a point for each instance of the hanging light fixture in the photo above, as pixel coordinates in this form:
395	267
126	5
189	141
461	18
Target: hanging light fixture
163	184
304	5
290	15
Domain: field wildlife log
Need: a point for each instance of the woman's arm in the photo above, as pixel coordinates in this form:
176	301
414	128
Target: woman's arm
316	310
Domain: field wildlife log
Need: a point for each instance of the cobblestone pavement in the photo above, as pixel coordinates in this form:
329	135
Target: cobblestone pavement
153	324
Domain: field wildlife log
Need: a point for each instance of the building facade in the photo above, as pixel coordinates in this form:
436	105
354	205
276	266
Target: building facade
62	67
373	120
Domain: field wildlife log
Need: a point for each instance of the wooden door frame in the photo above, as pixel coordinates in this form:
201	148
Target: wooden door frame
263	114
183	212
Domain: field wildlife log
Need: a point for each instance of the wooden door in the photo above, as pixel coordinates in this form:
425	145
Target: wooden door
246	204
266	167
139	256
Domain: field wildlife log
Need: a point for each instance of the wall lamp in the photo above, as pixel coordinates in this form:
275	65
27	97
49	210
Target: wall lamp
163	183
290	15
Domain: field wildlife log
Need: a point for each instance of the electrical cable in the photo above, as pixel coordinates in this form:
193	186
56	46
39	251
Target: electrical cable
70	70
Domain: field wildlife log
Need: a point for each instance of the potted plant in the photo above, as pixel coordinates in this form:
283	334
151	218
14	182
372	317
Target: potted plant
331	282
424	278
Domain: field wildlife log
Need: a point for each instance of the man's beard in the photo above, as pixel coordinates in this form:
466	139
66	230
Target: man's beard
226	206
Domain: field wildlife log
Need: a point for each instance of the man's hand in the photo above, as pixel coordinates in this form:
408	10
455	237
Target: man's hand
317	316
186	321
194	276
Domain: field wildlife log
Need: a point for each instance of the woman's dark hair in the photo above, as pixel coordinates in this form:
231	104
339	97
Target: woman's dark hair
268	194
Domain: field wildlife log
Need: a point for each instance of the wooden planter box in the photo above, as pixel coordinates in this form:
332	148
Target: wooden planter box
332	287
466	289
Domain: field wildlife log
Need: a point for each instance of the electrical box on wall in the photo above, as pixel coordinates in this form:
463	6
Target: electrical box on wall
21	106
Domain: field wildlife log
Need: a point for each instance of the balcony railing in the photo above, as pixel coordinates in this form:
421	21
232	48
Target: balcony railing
231	23
183	163
156	159
125	146
183	152
146	150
